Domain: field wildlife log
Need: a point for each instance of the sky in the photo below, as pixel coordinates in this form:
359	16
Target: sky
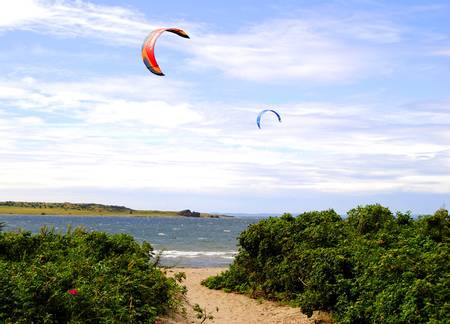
362	88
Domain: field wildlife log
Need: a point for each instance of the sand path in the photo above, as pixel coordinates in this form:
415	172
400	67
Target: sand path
233	308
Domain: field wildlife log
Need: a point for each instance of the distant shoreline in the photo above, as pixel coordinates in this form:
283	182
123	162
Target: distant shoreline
89	210
68	214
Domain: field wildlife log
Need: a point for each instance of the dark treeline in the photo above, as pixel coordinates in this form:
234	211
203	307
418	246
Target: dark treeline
370	267
189	213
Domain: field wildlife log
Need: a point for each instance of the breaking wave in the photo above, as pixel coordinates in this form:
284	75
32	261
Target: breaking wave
197	254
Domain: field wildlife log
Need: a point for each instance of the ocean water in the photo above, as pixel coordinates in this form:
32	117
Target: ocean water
184	242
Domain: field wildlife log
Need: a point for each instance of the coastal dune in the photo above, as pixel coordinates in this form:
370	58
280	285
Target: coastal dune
231	308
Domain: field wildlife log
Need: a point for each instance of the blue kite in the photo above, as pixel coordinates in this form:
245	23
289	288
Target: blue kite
258	119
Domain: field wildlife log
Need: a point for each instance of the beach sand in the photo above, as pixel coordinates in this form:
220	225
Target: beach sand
233	308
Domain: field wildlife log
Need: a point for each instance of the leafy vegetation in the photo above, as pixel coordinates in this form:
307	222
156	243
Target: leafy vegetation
202	314
81	277
372	266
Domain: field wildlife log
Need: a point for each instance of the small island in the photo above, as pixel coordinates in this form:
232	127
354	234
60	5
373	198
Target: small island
91	209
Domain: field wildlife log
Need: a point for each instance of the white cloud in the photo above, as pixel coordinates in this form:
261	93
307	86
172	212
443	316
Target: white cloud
75	97
16	13
140	132
65	134
372	30
75	19
11	92
158	113
286	50
442	52
30	121
313	48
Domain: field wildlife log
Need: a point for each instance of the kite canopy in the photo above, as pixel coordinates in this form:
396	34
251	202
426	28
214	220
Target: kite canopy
258	119
148	48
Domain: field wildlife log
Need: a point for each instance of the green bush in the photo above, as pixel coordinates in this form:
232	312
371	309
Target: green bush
372	266
81	277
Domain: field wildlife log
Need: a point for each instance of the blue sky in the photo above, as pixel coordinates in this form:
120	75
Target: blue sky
362	88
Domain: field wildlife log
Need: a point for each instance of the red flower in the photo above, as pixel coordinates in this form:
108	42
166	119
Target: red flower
73	292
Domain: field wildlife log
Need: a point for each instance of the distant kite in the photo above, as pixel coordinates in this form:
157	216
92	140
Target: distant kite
148	48
258	119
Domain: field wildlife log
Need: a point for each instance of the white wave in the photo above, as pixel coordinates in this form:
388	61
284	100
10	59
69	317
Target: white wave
227	231
196	254
161	234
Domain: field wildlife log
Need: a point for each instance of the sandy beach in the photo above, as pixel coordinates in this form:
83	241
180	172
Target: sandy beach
233	308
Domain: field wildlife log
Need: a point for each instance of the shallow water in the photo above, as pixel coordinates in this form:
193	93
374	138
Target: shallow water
184	242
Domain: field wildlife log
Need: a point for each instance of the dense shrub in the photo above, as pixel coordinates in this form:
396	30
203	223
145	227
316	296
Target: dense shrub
372	266
81	277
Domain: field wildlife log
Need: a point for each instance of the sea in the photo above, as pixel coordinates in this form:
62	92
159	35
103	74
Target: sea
182	241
